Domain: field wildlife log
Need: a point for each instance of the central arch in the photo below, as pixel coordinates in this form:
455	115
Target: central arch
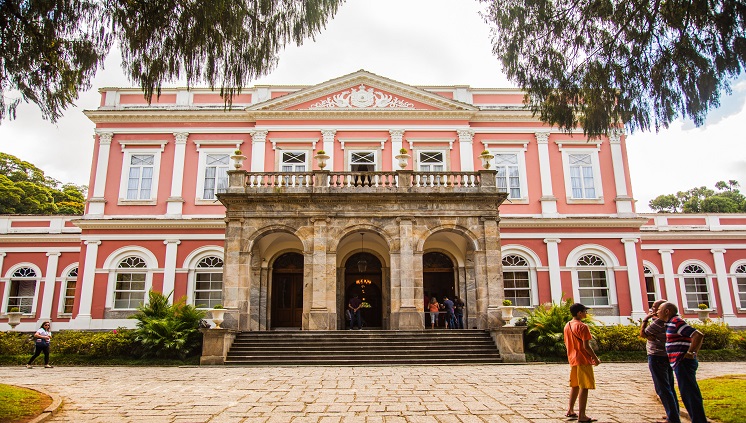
287	291
364	278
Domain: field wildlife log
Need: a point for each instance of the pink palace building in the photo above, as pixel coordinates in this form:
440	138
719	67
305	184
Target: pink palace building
358	185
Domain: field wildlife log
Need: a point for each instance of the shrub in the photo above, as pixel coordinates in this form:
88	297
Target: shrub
117	343
738	340
15	343
402	151
507	302
546	324
618	338
165	330
717	335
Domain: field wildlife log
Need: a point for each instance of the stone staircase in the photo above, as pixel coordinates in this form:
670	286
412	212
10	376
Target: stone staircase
363	348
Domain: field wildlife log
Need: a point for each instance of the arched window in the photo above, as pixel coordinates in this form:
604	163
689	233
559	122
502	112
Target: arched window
208	286
741	284
695	286
68	291
517	280
22	290
593	285
650	285
129	288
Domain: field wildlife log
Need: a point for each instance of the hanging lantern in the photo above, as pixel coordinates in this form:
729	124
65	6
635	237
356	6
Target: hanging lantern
362	265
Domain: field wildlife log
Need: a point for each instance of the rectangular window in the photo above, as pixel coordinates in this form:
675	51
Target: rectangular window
592	286
741	282
696	292
650	288
293	161
581	176
68	299
208	290
22	295
431	161
216	175
140	177
363	161
508	174
129	291
517	288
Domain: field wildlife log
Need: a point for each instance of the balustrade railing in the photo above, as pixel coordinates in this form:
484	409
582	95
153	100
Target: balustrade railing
445	179
279	179
362	179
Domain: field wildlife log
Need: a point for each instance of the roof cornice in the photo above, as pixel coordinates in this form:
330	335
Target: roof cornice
571	222
143	223
152	114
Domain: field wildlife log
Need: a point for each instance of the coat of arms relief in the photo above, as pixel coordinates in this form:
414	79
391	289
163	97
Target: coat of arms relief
362	98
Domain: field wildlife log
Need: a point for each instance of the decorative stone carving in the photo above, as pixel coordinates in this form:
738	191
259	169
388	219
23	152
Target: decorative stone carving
362	98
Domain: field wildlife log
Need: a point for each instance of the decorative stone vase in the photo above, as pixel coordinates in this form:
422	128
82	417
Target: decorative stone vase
238	160
14	318
321	159
507	314
403	160
704	314
486	159
217	317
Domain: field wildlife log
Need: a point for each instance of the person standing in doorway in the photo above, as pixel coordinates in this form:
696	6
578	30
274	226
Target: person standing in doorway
654	330
434	308
42	339
354	307
459	312
450	316
582	358
682	345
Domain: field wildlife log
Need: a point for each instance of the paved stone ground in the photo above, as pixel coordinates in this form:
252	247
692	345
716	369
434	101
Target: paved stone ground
489	393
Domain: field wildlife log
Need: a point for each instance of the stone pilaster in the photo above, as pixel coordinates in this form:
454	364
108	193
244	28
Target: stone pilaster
494	272
323	287
407	316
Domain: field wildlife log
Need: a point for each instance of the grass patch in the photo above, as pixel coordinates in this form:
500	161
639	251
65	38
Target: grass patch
723	398
21	404
81	360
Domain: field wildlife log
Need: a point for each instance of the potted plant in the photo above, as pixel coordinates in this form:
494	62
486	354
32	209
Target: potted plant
14	317
486	158
218	312
703	312
507	311
321	158
238	159
403	158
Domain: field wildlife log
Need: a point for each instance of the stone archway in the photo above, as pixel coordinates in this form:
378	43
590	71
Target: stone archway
287	292
367	284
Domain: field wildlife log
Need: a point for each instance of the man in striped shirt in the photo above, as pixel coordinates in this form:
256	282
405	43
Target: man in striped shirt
682	344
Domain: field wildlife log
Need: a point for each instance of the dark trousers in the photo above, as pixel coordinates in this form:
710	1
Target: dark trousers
663	381
40	349
459	321
357	316
686	376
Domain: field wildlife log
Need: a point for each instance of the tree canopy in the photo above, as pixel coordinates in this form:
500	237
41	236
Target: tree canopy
24	189
50	50
727	199
599	63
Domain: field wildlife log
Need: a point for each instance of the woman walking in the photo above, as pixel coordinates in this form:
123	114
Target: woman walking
41	338
434	308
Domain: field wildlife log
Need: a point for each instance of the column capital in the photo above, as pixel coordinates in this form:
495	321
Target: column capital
396	133
328	132
552	240
259	136
615	136
628	240
104	137
465	135
54	253
92	242
718	250
321	219
542	137
171	241
665	251
181	137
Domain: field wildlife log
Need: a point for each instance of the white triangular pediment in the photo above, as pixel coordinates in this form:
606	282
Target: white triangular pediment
362	90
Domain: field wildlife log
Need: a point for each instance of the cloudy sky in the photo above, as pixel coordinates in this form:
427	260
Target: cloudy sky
419	42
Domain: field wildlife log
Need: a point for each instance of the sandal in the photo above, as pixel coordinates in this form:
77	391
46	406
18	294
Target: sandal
571	416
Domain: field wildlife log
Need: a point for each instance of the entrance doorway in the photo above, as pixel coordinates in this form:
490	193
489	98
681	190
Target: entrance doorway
287	291
365	282
437	280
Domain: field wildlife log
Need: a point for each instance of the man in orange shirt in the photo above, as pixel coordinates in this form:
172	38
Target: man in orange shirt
582	359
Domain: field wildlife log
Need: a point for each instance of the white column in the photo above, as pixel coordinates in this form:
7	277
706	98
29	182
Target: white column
397	136
49	277
623	201
669	277
466	149
555	278
175	202
548	200
726	301
169	267
633	276
258	146
83	318
97	200
328	143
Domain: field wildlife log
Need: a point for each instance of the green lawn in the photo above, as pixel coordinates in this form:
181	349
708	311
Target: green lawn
20	404
723	398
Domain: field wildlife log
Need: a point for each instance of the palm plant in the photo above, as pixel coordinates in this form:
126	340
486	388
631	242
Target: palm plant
545	328
167	330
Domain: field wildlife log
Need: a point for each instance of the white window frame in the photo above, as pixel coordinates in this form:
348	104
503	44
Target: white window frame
307	163
111	265
740	294
656	276
534	263
210	270
190	263
518	269
417	152
707	275
124	180
596	168
66	278
611	264
520	153
376	157
8	282
202	169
